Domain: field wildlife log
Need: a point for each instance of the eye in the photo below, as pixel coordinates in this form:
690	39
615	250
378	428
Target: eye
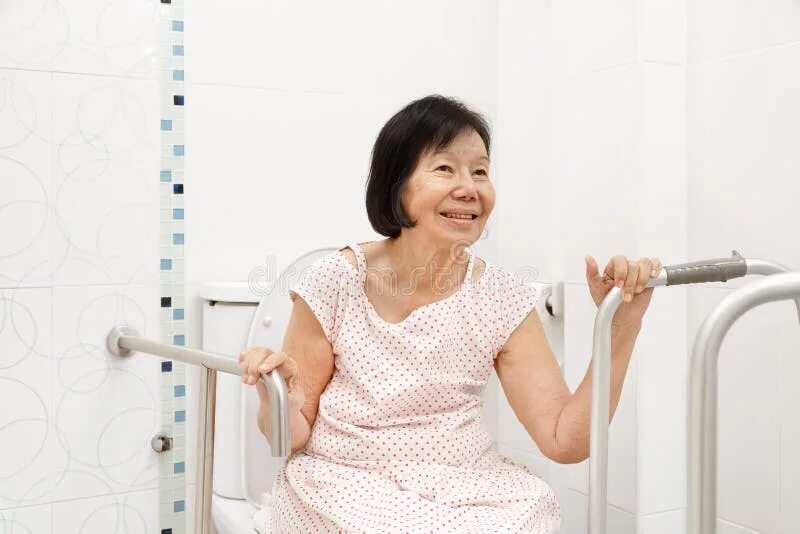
446	167
482	171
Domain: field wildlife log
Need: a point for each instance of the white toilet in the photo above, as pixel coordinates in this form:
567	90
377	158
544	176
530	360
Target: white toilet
237	316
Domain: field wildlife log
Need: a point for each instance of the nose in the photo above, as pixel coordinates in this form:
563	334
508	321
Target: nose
466	186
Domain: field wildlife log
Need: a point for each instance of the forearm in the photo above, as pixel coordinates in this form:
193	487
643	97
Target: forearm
573	423
299	429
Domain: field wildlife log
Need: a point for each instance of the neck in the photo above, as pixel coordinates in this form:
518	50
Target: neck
431	267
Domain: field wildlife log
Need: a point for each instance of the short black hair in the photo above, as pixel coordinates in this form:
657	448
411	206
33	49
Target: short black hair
431	122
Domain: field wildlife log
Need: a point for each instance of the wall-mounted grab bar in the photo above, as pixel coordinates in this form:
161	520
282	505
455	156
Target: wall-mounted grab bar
122	339
713	270
701	517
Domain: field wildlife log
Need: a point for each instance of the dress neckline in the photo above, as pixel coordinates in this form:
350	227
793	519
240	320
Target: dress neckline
362	277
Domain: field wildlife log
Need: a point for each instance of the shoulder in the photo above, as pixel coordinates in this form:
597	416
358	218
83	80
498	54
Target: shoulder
499	281
347	253
326	272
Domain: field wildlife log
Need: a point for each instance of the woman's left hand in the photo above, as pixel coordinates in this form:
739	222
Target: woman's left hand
632	276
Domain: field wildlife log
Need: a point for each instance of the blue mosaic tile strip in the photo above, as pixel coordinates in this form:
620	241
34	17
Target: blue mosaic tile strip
172	464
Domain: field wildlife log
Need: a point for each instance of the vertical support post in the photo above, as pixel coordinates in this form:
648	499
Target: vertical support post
205	449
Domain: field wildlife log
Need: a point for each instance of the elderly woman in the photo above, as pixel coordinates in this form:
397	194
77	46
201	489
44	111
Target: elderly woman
390	344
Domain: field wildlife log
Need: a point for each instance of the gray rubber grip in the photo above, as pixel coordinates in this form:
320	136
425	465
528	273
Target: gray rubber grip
715	270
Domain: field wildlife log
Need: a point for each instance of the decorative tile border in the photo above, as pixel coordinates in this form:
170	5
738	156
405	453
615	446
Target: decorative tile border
172	463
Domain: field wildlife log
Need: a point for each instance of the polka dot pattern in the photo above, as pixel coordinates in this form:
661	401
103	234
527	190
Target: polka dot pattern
399	444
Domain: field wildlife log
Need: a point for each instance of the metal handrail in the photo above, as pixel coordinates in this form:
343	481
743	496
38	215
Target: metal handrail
713	270
122	339
703	394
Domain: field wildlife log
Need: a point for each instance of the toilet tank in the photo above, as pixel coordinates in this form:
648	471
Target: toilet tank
228	309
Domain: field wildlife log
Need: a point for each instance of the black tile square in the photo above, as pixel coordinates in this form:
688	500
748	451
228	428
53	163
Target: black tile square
177	189
177	100
166	530
166	2
166	367
166	302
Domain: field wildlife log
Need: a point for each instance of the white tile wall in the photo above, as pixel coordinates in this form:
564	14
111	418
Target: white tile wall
742	161
78	174
617	521
662	31
670	522
31	519
25	146
591	36
596	166
135	512
82	36
105	180
374	48
720	28
743	155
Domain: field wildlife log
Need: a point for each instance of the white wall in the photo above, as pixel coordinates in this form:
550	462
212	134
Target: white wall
744	111
664	129
78	252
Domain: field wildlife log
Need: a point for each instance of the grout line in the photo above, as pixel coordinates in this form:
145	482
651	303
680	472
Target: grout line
614	506
74	499
289	90
572	77
667	511
75	73
746	53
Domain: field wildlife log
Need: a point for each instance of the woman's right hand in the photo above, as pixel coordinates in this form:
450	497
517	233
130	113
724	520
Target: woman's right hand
256	361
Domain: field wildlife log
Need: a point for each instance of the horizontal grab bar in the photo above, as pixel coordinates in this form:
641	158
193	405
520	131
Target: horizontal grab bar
713	270
122	339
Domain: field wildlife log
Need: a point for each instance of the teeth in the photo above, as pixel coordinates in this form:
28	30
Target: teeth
457	216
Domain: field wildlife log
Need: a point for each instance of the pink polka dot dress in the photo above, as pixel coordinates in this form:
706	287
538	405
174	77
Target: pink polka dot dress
399	444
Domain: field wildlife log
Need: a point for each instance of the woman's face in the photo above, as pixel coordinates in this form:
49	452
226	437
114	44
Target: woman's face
452	179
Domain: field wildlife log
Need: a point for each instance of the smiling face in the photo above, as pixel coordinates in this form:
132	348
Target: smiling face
447	182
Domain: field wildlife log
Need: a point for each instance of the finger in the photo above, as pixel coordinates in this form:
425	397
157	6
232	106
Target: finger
254	363
263	394
645	271
630	280
619	272
276	359
592	271
246	357
656	267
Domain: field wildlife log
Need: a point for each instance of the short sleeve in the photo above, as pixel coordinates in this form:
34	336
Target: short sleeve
514	300
320	285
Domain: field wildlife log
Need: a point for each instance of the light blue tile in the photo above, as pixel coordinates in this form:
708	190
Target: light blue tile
180	416
177	239
177	314
166	125
177	50
179	391
177	75
178	467
177	25
178	506
177	150
166	176
177	213
166	264
178	339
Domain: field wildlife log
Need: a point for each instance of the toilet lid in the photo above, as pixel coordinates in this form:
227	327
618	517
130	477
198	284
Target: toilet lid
259	467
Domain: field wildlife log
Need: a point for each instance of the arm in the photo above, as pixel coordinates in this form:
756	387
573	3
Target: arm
557	420
305	342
